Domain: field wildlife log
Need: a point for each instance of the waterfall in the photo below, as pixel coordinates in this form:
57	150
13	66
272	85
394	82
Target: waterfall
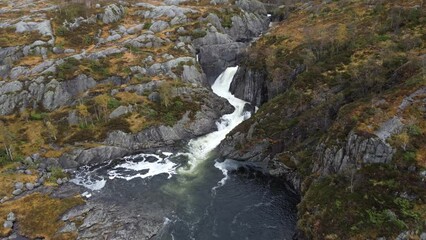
146	165
200	148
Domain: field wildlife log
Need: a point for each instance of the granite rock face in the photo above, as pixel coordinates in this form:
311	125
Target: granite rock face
357	151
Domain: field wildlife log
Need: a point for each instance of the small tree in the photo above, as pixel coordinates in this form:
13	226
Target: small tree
402	140
101	103
7	138
25	114
52	130
83	112
341	36
165	91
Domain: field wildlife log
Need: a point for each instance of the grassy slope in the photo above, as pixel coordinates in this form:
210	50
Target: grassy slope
29	129
356	53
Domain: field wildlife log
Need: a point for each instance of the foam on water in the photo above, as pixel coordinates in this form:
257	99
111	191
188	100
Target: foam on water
143	167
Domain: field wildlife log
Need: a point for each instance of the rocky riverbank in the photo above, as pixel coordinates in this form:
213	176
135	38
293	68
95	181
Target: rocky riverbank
84	84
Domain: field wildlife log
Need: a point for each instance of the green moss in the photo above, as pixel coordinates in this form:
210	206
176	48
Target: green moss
68	68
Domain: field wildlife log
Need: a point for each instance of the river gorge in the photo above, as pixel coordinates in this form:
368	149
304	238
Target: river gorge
198	194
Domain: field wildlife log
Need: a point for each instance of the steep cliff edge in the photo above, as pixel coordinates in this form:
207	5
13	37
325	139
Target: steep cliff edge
341	90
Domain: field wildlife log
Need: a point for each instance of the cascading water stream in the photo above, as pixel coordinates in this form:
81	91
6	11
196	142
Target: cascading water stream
200	148
149	165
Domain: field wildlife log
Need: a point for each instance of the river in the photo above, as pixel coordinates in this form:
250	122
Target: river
202	196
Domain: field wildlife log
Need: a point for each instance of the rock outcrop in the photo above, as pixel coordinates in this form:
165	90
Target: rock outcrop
357	152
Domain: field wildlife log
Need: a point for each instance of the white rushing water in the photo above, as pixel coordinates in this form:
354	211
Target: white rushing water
200	148
149	165
144	167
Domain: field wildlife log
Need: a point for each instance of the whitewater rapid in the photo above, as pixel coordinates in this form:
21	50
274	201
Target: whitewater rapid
149	165
200	148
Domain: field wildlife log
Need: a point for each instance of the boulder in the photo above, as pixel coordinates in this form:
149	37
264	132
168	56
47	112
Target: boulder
59	181
8	224
11	217
29	186
252	6
216	2
156	12
113	13
120	111
159	26
44	27
19	185
154	97
17	192
100	154
192	75
11	87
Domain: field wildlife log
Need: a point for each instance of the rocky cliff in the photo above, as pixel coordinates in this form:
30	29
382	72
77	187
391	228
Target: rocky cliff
341	116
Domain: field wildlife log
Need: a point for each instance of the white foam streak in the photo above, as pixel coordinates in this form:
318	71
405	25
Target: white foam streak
225	167
146	168
89	183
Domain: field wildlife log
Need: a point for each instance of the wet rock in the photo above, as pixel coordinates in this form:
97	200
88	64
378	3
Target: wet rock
250	85
203	122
